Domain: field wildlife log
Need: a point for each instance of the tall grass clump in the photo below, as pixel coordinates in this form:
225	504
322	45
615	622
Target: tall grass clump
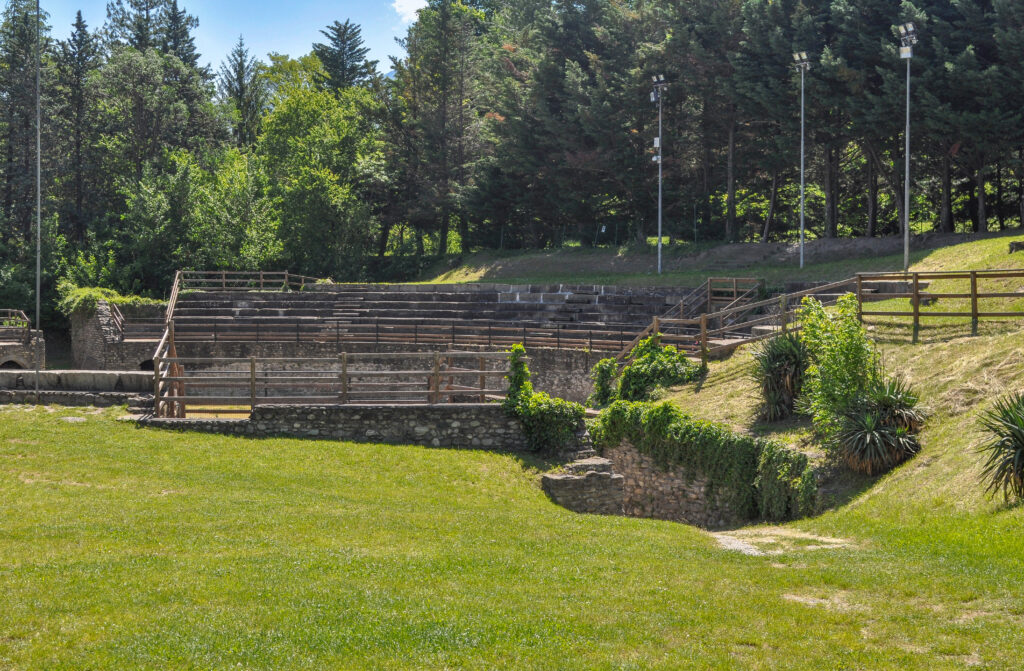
779	367
1004	466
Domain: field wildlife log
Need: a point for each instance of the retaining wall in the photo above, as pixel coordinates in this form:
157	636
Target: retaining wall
132	382
480	426
96	342
23	354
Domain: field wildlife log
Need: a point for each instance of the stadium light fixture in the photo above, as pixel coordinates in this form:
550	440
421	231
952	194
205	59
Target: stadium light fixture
656	95
803	64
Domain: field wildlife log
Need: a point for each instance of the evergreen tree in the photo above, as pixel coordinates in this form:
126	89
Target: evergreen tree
135	23
77	58
176	38
242	85
344	56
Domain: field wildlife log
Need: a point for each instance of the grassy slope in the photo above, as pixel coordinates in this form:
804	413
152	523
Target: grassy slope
126	548
626	267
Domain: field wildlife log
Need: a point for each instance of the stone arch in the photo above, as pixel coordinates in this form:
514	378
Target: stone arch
13	363
146	365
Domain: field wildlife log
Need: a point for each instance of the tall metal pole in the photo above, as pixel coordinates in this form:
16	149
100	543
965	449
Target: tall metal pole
661	144
906	185
803	120
39	198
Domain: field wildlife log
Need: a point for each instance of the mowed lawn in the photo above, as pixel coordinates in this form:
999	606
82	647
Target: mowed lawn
127	548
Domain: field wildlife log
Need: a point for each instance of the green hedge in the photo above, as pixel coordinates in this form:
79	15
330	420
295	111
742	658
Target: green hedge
73	299
758	478
650	367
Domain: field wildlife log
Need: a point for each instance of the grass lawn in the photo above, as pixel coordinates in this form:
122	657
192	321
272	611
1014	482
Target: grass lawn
130	548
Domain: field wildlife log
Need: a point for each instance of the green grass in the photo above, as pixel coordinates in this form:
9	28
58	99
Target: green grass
626	266
132	548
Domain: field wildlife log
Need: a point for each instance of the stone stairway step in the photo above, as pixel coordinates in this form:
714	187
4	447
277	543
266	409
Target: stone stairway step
596	464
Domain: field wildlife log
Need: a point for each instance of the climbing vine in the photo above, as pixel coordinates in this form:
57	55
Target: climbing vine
550	423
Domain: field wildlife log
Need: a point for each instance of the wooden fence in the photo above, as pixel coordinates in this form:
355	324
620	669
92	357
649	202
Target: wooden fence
918	296
232	280
14	326
235	386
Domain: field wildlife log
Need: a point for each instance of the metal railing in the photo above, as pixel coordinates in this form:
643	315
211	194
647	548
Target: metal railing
234	386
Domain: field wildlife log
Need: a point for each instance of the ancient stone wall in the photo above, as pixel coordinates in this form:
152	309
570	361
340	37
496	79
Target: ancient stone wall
79	380
481	426
96	342
23	354
673	494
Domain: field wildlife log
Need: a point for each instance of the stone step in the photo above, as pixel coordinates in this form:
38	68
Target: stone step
595	464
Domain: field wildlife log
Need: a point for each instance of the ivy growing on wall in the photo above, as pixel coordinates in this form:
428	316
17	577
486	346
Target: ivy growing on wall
550	423
754	476
650	367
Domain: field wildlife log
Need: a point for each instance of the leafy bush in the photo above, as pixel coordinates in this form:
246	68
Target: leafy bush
895	402
843	363
73	299
785	484
779	367
731	462
603	375
549	423
1004	467
654	366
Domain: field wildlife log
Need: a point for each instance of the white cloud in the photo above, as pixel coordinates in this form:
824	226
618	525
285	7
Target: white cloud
407	9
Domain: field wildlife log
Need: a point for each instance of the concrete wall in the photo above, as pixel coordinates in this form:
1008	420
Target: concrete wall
23	354
480	426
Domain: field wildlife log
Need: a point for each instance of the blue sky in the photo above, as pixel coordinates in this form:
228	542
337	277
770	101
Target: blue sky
288	27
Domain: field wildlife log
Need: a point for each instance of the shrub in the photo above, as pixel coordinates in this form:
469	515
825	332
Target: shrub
73	298
843	363
603	375
731	462
869	445
895	402
1004	467
549	423
654	366
779	366
785	484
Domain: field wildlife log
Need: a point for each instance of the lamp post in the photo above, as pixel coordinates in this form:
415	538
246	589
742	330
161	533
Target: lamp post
908	38
39	201
656	95
803	64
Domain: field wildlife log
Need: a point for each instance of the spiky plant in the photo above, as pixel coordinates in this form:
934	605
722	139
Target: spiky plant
896	403
869	445
779	366
1004	466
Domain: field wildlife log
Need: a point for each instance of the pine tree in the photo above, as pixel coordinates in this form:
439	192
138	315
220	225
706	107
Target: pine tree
241	84
176	38
135	23
77	58
344	56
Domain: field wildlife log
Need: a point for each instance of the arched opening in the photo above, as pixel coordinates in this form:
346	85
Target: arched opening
146	365
11	365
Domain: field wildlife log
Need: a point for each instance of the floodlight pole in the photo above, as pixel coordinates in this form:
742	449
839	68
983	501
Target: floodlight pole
660	173
39	201
906	183
803	122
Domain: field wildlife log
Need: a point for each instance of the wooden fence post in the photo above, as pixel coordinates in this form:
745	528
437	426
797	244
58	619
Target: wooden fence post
860	298
156	386
483	379
657	327
435	379
252	384
785	313
344	378
974	302
917	306
704	338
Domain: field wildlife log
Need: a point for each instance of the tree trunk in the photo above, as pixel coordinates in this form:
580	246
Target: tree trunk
769	220
831	187
730	220
946	208
382	246
982	214
872	200
999	195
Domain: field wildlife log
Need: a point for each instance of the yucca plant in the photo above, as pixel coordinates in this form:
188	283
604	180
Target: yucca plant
896	403
869	445
779	366
1004	467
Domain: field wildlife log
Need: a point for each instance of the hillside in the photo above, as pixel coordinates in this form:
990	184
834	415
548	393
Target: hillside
686	264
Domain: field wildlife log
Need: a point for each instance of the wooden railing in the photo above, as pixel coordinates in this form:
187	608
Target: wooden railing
231	280
730	290
15	326
386	331
972	296
234	386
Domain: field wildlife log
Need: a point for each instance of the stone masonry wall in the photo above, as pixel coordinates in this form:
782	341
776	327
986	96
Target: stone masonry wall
96	343
22	354
480	426
676	495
